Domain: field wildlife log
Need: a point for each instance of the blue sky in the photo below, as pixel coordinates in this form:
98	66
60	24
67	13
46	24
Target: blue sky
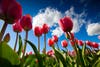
85	15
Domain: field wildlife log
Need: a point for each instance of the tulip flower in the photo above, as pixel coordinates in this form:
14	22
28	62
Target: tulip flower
50	53
55	38
66	24
95	45
11	12
64	43
80	42
45	30
51	42
16	28
38	33
26	23
89	43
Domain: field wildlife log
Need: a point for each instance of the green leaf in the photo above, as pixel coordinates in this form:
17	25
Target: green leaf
97	63
79	59
83	54
38	56
29	59
20	46
8	54
60	57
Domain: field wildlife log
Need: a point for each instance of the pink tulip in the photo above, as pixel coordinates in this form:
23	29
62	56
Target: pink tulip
12	11
64	43
38	31
50	53
55	38
45	28
17	27
51	42
95	45
26	22
89	43
66	24
80	42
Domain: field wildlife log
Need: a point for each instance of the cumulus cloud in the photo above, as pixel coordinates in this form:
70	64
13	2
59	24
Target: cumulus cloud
57	32
93	29
49	16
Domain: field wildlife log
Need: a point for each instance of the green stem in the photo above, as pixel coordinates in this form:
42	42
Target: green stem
45	43
16	41
3	31
39	44
25	43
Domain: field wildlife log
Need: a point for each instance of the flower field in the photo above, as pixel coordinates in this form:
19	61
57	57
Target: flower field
84	53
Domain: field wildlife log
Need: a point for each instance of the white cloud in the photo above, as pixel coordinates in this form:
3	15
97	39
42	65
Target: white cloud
48	16
93	29
51	17
57	32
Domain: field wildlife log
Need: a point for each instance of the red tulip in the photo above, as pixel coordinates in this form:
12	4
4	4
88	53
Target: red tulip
89	43
12	11
50	42
55	38
95	45
64	43
66	24
17	27
50	53
38	31
45	28
26	22
80	42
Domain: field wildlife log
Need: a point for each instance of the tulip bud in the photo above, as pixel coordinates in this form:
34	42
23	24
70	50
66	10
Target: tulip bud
50	53
55	38
66	24
50	42
38	31
89	43
95	45
80	42
45	28
7	37
17	27
26	22
64	43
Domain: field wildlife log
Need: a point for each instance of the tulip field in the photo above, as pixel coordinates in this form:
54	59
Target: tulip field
84	53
